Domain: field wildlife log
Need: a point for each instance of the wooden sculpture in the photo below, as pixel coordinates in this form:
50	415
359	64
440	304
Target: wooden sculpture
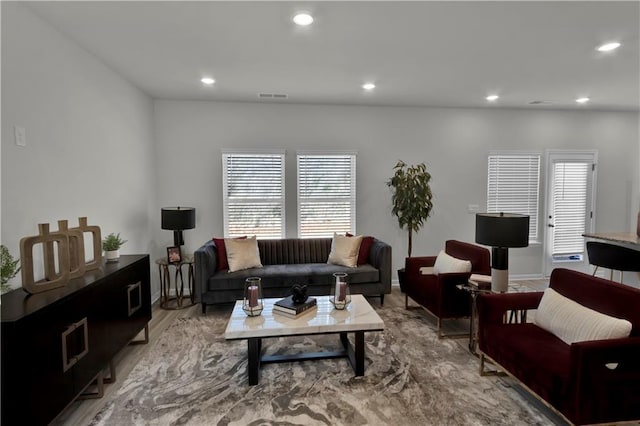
97	242
52	278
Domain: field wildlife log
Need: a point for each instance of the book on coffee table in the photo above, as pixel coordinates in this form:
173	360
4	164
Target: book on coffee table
288	307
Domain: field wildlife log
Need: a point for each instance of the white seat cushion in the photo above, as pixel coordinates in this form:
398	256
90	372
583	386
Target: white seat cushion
573	322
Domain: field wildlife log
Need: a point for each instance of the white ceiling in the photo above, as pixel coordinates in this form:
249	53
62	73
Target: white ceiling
417	53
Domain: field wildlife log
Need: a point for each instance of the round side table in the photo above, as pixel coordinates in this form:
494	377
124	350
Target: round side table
176	301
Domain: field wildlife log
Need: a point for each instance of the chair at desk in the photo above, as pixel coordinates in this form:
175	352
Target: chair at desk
613	257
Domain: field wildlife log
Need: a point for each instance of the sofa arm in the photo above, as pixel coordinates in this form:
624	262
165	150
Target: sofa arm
606	375
206	263
492	307
380	258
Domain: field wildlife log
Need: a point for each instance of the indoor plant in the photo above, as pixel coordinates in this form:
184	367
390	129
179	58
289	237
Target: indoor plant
9	267
411	199
111	246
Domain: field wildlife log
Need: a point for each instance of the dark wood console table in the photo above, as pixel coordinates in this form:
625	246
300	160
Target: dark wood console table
57	343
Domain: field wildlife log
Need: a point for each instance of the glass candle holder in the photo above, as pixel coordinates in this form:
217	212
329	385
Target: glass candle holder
340	294
253	304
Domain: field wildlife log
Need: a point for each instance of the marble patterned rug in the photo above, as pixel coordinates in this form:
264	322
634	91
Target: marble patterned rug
192	376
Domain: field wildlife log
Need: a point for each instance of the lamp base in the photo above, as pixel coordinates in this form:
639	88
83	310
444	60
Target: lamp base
499	280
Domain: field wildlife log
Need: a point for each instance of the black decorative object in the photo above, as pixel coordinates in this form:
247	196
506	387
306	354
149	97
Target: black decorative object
299	293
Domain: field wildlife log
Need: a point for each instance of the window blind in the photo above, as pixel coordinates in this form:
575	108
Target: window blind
513	186
253	194
326	194
569	206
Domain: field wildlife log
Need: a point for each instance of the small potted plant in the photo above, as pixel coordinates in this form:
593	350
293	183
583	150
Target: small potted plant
9	267
111	246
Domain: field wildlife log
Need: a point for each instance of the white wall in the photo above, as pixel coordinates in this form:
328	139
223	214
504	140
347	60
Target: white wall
454	143
89	138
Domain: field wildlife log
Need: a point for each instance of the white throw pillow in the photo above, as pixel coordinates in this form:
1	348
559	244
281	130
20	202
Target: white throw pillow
573	322
446	264
344	250
242	254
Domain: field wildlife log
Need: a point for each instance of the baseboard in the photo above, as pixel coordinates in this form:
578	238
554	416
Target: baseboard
523	277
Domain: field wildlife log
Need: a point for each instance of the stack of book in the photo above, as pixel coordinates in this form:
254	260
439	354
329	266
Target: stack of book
287	306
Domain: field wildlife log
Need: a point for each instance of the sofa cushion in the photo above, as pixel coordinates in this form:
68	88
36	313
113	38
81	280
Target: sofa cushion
242	253
221	253
573	322
446	264
344	250
365	248
285	276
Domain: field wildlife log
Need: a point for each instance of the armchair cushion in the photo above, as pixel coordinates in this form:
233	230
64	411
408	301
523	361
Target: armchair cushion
572	322
446	264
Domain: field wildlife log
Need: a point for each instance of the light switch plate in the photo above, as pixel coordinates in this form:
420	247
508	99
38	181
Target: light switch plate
20	135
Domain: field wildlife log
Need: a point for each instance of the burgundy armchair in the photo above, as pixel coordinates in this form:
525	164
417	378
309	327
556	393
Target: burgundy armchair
438	293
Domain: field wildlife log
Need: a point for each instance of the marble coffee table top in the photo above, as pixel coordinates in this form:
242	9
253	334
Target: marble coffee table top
358	316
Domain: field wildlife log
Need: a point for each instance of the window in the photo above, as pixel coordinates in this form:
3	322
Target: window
513	187
253	194
326	194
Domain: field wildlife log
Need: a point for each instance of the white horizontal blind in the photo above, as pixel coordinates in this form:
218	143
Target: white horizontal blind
514	187
569	206
253	194
326	194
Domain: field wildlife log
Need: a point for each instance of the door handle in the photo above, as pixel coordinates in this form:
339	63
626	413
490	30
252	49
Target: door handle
551	225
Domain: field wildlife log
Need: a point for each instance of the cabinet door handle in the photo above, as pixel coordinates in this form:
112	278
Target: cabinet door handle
68	359
130	289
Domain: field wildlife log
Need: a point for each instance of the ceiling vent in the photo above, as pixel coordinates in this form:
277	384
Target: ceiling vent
540	103
272	96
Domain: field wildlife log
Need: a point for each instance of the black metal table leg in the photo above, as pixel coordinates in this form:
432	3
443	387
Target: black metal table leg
254	347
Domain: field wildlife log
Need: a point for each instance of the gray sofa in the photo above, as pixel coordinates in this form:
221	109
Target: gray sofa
287	262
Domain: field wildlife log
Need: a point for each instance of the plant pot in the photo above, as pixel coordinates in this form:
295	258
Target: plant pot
401	278
112	255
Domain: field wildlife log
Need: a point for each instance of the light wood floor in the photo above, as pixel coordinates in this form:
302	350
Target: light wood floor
82	412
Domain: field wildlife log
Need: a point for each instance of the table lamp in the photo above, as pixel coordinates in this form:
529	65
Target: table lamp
178	219
501	231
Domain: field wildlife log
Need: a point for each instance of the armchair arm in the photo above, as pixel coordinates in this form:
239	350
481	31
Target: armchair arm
606	376
412	265
491	307
380	258
206	264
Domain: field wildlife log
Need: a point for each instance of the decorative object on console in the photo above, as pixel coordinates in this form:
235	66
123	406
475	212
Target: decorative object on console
299	293
340	294
501	231
9	268
77	263
111	246
252	304
64	256
49	282
178	219
96	237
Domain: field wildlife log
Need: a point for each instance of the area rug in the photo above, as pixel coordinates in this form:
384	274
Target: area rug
192	376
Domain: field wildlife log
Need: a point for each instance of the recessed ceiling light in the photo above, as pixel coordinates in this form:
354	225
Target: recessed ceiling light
303	19
492	98
207	80
582	100
608	47
368	86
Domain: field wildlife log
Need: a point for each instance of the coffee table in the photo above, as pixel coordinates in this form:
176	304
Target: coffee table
357	318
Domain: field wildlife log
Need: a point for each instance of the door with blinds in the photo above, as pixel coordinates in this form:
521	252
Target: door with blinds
570	208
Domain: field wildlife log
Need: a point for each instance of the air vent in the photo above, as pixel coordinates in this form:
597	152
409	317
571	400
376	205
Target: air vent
272	96
540	103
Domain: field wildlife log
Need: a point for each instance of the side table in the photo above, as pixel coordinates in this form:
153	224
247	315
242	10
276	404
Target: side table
175	302
475	288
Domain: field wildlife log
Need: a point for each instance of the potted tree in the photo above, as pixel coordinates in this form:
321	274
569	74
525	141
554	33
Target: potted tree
9	268
412	201
111	246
